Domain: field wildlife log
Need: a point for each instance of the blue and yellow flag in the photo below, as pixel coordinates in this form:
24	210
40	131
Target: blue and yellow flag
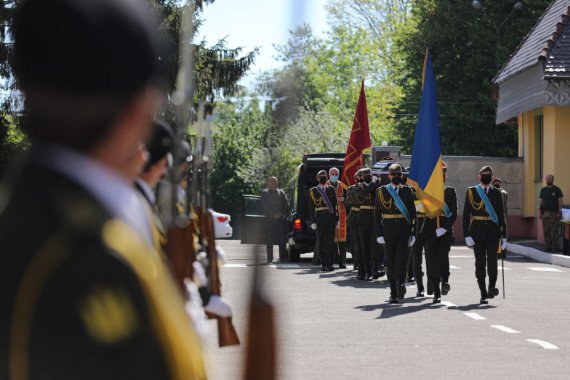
426	173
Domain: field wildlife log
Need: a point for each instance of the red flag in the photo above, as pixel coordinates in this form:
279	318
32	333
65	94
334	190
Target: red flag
359	140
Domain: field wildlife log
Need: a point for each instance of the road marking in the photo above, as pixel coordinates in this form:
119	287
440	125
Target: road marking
543	344
505	329
235	266
448	304
475	316
453	267
545	269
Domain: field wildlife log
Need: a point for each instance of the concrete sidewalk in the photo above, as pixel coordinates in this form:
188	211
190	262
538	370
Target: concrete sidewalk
521	248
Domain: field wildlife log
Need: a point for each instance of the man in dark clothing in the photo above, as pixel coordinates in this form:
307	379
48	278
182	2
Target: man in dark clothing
351	220
275	208
395	223
437	233
366	192
484	230
324	217
550	209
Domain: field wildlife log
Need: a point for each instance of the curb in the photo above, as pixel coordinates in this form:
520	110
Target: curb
537	255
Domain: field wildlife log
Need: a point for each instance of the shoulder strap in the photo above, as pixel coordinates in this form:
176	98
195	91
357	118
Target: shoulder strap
398	202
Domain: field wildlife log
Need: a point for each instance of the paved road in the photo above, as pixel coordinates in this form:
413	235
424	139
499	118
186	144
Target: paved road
332	326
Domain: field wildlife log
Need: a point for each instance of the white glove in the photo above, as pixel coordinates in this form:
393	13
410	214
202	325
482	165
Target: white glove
199	277
374	178
503	244
440	231
469	241
314	226
219	306
380	240
412	240
419	207
337	224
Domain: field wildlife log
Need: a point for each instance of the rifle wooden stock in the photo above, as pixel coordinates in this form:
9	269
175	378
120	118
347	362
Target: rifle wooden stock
227	335
180	251
261	341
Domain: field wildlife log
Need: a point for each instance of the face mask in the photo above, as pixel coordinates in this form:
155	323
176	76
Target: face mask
322	180
396	180
360	180
334	178
367	178
485	179
497	186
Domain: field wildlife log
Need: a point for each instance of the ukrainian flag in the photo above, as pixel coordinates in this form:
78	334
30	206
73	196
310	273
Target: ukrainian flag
426	173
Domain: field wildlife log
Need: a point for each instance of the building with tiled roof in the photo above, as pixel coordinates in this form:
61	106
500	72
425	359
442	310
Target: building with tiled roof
534	90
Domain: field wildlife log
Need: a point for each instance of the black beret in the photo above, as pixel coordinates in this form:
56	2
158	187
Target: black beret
161	142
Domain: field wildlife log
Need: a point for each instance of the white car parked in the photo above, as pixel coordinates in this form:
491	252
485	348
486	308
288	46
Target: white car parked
222	226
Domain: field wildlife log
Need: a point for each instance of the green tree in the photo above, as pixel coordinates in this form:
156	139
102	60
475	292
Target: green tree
466	54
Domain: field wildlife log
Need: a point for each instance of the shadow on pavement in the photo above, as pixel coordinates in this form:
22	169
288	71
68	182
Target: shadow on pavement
406	306
473	306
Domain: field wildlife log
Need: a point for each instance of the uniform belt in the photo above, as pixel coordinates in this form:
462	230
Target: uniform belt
392	216
355	209
421	216
322	209
482	218
367	207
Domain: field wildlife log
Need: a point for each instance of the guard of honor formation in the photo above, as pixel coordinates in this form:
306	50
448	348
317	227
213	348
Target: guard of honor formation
88	286
388	221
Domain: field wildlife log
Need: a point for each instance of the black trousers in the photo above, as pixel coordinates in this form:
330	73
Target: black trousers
325	240
417	253
355	240
275	234
396	257
367	241
340	252
486	237
443	248
433	268
377	255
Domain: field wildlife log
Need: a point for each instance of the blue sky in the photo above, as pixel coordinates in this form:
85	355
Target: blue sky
260	23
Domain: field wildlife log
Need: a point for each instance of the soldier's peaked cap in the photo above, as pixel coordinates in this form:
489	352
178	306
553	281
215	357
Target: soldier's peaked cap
160	143
101	49
486	169
365	171
395	168
322	173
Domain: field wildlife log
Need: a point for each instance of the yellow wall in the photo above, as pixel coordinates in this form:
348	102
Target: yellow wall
555	153
526	136
561	151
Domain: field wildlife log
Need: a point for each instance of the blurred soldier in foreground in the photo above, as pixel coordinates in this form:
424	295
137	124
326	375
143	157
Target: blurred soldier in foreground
275	208
395	222
83	296
324	217
484	230
340	232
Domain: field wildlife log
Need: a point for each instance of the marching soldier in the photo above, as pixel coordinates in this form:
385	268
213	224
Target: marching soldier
324	217
437	233
484	230
395	222
340	232
80	296
352	201
365	193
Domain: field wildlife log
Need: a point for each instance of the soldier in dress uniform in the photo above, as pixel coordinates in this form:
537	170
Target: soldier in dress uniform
418	249
340	232
395	225
437	233
81	298
324	217
484	230
351	201
159	147
365	193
